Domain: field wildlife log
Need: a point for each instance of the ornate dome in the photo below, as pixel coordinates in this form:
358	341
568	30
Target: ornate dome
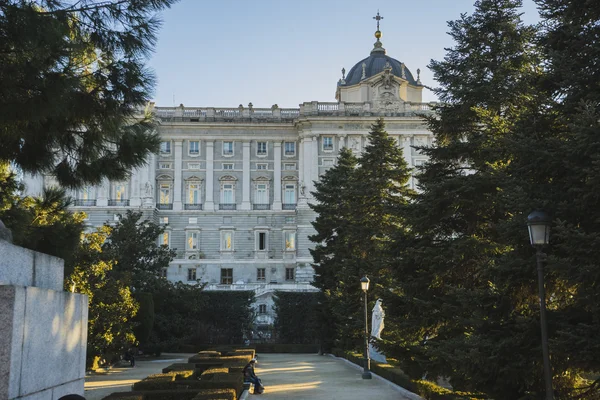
375	64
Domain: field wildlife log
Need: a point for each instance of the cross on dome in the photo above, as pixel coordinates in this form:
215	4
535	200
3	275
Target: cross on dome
378	18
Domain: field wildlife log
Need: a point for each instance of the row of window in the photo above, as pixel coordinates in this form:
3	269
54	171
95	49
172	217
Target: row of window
326	162
227	193
231	166
227	238
227	275
228	148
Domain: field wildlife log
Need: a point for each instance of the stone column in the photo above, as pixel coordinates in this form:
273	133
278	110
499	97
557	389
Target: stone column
407	153
103	190
308	161
314	164
301	161
135	199
245	176
277	176
178	177
209	204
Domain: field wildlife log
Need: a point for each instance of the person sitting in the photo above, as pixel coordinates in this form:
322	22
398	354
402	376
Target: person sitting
250	376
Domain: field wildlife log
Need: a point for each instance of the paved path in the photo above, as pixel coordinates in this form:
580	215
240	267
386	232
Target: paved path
98	386
285	376
314	377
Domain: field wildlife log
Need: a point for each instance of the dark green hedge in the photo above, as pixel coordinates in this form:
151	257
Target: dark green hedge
296	319
426	389
286	348
203	394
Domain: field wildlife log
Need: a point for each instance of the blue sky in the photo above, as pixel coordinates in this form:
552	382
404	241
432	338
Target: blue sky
230	52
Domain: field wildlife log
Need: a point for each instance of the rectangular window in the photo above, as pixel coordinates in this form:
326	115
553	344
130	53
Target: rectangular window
327	143
289	194
165	147
419	163
193	166
194	148
120	191
164	165
289	274
328	162
165	194
261	148
226	276
227	194
193	193
86	193
261	195
262	308
163	239
226	240
227	166
262	166
163	272
261	241
290	241
290	148
164	220
260	274
192	241
192	220
289	167
290	220
191	274
227	148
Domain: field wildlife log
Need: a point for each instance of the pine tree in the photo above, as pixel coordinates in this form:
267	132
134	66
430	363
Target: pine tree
359	211
463	306
73	84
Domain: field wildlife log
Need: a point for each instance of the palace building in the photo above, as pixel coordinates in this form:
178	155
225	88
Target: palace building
232	185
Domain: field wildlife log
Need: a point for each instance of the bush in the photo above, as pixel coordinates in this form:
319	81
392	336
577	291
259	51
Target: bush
287	348
201	394
162	381
426	389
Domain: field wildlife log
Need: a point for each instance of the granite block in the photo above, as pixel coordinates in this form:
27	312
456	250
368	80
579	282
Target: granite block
74	387
42	395
16	265
7	302
53	333
48	272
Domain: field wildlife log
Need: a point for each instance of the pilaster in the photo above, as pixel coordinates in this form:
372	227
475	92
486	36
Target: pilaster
245	176
314	162
210	175
102	200
177	177
135	199
277	176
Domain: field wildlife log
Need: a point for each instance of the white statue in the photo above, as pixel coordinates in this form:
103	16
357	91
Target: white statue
148	189
377	320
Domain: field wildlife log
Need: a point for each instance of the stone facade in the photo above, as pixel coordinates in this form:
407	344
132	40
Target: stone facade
232	185
43	330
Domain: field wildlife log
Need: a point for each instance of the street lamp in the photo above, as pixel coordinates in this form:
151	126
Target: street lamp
364	284
538	223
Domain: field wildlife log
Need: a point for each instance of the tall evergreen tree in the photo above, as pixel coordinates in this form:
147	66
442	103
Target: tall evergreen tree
464	303
73	80
359	210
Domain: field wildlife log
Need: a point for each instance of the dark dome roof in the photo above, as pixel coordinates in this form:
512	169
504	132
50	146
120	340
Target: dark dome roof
374	65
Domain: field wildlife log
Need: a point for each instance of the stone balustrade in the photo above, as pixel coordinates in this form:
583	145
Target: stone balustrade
286	115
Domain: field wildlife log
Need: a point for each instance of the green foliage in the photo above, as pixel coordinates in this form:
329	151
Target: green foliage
73	76
111	304
144	319
296	319
359	208
42	224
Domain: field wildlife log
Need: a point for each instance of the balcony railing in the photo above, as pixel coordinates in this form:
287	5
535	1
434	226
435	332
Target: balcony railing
85	203
261	206
228	206
288	206
164	206
118	202
192	206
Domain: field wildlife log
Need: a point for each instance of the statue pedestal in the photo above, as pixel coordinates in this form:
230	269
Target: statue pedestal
375	355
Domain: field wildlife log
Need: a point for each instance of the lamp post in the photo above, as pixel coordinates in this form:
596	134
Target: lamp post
364	284
538	223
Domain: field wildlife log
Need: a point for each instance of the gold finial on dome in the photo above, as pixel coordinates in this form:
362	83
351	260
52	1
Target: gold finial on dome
378	47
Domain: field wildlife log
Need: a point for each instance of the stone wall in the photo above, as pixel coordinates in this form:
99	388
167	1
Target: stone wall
43	330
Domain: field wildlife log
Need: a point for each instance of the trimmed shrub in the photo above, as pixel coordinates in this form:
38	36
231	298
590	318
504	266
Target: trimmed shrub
162	381
202	394
287	348
179	367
